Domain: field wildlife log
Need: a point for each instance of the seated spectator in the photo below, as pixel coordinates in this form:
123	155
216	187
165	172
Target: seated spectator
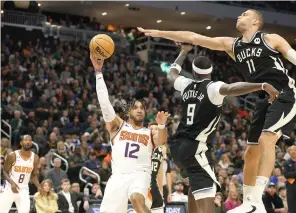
42	169
5	150
56	174
225	161
45	199
104	173
232	199
96	192
67	201
219	204
77	157
283	196
82	199
93	164
61	150
178	195
272	202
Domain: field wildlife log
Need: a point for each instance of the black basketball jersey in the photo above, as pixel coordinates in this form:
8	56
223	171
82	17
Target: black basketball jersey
199	116
156	160
259	63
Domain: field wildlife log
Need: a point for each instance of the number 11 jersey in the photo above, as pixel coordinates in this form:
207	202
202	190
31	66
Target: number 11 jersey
260	63
131	150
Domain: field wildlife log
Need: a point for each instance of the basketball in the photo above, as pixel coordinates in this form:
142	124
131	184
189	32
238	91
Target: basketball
101	46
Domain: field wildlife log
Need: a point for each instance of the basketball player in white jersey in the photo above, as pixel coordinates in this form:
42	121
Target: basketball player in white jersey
132	145
19	168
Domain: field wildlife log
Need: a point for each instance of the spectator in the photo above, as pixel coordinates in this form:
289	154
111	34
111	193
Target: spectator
67	200
82	199
56	174
61	150
219	204
178	195
45	199
232	199
77	157
272	202
96	192
225	161
16	125
93	164
290	175
5	150
42	169
283	196
104	173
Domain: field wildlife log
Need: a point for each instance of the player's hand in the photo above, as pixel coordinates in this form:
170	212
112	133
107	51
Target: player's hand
162	117
97	63
185	46
169	198
272	92
14	188
149	32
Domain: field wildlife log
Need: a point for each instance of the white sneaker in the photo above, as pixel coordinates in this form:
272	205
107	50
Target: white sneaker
249	207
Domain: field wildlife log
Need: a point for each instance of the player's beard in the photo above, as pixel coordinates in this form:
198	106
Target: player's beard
137	121
27	148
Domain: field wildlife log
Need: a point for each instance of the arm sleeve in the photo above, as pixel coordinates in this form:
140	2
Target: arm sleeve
181	83
103	98
214	93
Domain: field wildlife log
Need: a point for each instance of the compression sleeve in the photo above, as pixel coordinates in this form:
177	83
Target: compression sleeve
103	98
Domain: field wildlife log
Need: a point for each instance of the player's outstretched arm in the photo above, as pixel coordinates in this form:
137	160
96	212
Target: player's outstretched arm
10	160
242	88
34	175
216	43
162	136
113	122
280	44
176	67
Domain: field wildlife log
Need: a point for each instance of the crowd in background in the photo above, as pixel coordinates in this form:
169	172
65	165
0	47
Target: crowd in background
48	92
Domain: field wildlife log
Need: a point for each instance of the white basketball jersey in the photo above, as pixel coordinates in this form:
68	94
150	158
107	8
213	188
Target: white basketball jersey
132	150
21	170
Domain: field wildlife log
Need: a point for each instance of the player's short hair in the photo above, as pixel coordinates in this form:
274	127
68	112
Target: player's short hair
202	62
259	18
24	136
130	105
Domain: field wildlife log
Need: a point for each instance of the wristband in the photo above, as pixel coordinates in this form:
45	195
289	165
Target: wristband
176	66
161	126
262	86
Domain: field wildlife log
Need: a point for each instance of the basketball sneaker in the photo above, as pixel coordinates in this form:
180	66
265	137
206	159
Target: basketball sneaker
249	207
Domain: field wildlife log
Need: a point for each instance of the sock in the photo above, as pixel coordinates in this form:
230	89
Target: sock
261	183
247	193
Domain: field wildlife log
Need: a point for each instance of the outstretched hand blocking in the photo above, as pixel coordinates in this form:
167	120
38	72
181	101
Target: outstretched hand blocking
162	117
97	63
149	32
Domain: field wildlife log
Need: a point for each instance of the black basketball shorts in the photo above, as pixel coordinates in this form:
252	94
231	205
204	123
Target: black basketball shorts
157	200
278	117
196	159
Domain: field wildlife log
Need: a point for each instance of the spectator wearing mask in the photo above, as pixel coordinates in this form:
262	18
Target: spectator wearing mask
232	200
290	175
67	201
272	202
45	199
56	174
178	195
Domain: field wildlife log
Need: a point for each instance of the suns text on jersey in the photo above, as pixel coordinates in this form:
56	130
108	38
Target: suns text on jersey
249	52
192	94
131	136
23	169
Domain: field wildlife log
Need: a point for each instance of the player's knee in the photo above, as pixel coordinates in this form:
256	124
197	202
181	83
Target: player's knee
252	153
267	140
137	200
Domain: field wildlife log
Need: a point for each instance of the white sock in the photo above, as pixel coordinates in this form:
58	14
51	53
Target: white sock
248	193
261	183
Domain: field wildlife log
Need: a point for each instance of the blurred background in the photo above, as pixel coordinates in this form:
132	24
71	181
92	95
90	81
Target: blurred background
48	88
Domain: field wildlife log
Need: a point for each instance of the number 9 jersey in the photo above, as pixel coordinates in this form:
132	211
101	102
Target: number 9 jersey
132	149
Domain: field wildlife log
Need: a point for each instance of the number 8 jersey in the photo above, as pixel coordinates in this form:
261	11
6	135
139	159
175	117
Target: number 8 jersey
21	170
131	149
